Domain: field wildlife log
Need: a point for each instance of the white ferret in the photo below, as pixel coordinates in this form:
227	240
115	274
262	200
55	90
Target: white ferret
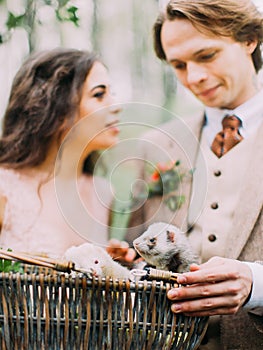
166	247
95	259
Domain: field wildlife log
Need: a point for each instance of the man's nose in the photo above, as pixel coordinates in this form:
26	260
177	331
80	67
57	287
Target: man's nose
196	73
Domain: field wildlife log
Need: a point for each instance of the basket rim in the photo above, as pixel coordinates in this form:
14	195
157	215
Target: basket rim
67	279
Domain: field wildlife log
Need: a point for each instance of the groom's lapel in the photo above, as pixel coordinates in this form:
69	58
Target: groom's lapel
250	201
190	139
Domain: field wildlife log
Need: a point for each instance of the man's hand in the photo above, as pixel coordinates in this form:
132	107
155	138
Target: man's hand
218	287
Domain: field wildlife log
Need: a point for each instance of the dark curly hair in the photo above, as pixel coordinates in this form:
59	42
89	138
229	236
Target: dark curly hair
43	102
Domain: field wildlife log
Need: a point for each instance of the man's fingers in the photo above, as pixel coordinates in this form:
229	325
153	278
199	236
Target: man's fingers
204	290
207	306
215	270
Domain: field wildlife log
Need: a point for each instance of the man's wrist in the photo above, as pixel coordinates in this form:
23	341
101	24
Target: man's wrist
255	297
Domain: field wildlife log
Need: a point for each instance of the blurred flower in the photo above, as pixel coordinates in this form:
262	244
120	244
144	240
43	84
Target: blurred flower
165	181
155	176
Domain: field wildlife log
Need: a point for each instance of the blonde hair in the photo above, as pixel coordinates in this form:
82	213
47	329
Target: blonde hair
237	19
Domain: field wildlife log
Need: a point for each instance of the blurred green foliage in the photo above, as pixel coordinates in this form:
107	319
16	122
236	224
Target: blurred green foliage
7	265
64	10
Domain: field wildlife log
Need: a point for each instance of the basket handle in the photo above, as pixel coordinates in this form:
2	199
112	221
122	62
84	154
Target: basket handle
64	266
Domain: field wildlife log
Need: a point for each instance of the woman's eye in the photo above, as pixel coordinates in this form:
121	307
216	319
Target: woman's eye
99	94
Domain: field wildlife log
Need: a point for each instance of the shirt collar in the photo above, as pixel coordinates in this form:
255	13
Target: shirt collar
250	113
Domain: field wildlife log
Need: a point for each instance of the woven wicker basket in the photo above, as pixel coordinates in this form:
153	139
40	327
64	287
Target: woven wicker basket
45	309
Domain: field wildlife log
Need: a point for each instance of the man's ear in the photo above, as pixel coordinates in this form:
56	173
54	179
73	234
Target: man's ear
251	46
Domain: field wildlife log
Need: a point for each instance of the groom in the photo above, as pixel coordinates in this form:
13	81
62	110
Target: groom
213	47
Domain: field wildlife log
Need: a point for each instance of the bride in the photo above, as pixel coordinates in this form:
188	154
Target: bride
60	113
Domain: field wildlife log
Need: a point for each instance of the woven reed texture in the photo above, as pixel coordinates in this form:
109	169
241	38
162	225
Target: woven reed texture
52	310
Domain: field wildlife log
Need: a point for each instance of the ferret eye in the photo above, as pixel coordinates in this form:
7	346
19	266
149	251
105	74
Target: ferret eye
96	261
152	240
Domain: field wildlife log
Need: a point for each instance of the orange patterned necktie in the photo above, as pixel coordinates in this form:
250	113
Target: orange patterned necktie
228	137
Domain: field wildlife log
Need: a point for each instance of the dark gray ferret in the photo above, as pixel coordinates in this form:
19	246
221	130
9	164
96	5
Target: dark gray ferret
165	247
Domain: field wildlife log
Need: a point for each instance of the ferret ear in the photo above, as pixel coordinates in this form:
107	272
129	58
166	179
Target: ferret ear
170	236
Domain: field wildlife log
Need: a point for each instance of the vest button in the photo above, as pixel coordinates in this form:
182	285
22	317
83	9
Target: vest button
214	205
212	238
217	172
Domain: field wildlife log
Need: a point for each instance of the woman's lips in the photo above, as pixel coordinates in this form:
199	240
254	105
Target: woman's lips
112	123
113	126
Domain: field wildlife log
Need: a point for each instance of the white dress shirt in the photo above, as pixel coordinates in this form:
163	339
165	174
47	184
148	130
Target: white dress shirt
255	302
